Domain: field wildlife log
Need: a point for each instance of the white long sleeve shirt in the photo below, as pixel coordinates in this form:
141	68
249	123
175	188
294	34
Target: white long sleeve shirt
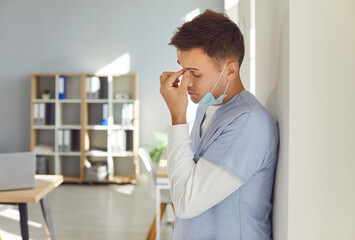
195	187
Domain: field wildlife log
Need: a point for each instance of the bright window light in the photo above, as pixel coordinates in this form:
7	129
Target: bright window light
189	16
124	189
120	65
14	214
228	4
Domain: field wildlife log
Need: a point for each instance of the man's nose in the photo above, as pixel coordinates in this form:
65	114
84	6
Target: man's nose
190	78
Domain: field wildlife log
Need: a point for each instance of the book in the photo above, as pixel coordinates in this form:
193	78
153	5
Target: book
42	148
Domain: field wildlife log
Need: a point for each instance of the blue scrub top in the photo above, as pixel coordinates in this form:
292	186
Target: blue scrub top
242	137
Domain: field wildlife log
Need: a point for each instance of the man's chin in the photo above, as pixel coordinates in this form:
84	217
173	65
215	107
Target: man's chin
194	99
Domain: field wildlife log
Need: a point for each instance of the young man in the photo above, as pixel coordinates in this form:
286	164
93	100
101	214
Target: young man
221	176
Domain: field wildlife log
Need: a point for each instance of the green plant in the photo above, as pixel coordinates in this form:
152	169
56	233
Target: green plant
46	91
158	148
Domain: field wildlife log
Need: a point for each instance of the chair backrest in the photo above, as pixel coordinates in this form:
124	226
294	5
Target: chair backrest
148	163
152	169
147	160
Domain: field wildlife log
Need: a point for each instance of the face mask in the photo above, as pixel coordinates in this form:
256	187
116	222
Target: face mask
209	99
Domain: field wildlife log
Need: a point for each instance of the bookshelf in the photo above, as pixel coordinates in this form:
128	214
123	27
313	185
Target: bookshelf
89	126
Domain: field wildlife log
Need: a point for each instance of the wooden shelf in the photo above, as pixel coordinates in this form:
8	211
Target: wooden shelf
96	100
120	127
124	154
96	127
69	100
69	127
82	116
44	127
119	179
45	153
43	100
96	154
69	153
71	179
123	101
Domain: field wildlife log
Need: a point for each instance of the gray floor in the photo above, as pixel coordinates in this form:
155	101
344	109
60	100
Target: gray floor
87	212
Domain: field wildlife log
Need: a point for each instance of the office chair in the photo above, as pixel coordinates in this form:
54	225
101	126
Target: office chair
165	193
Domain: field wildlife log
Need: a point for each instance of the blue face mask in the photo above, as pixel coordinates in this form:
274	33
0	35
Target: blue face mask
209	99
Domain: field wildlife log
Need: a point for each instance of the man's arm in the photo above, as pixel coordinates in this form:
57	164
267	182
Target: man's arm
195	187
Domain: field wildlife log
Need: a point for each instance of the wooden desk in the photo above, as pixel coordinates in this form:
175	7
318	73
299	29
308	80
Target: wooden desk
162	182
162	172
43	185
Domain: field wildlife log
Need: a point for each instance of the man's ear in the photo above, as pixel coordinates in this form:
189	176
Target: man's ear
232	69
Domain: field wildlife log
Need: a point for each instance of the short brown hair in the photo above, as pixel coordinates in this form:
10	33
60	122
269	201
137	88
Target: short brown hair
214	33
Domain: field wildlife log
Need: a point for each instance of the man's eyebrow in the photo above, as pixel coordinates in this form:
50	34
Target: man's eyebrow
189	68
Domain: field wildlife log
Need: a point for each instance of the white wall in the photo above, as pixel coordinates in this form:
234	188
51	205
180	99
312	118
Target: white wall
305	77
84	36
272	89
239	12
322	120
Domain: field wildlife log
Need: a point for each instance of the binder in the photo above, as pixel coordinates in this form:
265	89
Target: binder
105	114
36	114
88	87
95	87
42	114
127	114
60	141
61	89
121	141
67	141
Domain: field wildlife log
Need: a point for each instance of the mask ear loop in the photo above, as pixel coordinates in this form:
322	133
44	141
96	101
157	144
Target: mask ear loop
219	78
225	90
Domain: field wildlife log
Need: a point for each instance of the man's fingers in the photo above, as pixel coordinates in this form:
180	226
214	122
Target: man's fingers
170	77
165	76
185	80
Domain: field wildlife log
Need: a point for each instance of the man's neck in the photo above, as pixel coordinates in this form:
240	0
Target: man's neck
235	88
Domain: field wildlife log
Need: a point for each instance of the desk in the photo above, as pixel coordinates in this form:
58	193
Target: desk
43	185
162	182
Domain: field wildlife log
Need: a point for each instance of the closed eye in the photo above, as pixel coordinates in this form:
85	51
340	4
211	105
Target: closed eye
195	75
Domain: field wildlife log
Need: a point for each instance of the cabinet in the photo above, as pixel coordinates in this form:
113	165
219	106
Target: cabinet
89	122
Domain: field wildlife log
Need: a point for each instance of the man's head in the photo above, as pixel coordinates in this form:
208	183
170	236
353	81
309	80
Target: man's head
205	46
214	33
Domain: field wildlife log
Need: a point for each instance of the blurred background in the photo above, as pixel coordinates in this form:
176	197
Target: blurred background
299	63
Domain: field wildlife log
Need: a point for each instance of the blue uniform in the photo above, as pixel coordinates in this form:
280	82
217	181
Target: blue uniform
242	137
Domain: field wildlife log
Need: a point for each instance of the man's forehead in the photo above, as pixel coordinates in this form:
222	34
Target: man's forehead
192	59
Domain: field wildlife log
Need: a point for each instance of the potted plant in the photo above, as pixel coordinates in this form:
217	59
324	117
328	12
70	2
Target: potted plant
158	148
46	94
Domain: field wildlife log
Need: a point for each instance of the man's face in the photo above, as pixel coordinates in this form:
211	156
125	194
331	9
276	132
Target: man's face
203	73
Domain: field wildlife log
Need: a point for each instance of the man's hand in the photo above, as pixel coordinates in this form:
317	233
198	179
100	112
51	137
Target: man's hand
174	95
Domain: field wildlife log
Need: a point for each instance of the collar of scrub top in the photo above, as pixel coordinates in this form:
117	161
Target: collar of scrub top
221	118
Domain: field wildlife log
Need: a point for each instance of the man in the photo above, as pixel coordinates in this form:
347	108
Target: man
222	175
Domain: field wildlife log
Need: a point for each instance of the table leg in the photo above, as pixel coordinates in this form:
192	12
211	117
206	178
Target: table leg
157	214
23	220
47	218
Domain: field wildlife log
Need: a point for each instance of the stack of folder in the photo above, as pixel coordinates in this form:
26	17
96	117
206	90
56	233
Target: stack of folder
39	113
65	143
